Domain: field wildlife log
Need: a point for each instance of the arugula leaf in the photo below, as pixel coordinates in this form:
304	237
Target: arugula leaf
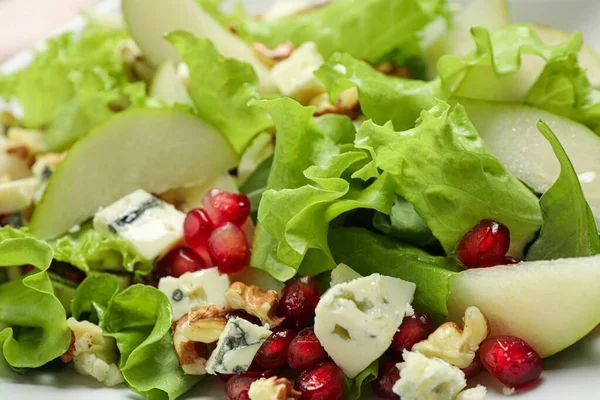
445	170
93	296
139	318
308	187
221	88
367	253
89	250
569	229
367	29
38	331
353	387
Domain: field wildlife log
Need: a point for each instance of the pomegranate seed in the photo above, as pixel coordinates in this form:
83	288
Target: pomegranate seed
223	207
324	381
305	350
229	248
273	352
511	360
474	368
237	386
298	301
179	261
485	245
197	228
413	329
386	378
244	315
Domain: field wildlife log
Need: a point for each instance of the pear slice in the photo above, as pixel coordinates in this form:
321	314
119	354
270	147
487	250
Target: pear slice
169	86
510	131
588	58
549	304
148	149
150	20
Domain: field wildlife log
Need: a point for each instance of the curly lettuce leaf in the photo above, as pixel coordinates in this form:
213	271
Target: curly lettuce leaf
73	84
309	186
93	296
88	250
353	387
367	29
38	331
569	229
221	88
451	178
139	318
367	252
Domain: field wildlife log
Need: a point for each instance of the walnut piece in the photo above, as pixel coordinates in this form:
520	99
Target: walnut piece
269	56
345	104
390	68
205	324
454	345
192	355
255	302
273	388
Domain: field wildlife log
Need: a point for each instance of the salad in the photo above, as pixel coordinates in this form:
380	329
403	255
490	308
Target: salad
326	201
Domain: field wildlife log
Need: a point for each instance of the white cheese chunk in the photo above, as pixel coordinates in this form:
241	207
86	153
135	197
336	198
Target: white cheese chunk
16	195
356	321
151	226
476	393
295	77
193	290
423	378
236	347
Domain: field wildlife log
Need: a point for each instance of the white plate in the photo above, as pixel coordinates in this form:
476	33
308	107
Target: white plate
573	374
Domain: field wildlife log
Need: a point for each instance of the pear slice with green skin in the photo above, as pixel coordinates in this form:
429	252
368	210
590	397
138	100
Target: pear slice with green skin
589	60
510	131
490	14
150	149
150	20
549	304
169	86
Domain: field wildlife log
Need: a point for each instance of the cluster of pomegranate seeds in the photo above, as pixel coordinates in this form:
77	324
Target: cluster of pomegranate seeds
323	381
413	329
511	360
179	261
274	351
306	350
215	232
386	378
298	301
485	245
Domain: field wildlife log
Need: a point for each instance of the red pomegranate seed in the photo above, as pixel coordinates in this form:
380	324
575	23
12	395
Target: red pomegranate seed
511	360
244	315
273	352
197	228
413	329
229	248
386	378
324	381
237	386
485	245
298	301
223	207
474	368
305	350
179	261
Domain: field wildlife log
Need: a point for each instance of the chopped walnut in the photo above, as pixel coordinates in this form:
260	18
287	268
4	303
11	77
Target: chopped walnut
390	68
454	345
254	301
346	104
269	56
273	388
33	141
192	355
205	324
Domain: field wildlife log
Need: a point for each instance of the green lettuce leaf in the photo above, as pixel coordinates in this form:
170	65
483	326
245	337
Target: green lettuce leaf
452	179
569	229
367	29
93	296
139	318
38	331
73	84
309	186
221	88
88	250
367	252
354	386
256	184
